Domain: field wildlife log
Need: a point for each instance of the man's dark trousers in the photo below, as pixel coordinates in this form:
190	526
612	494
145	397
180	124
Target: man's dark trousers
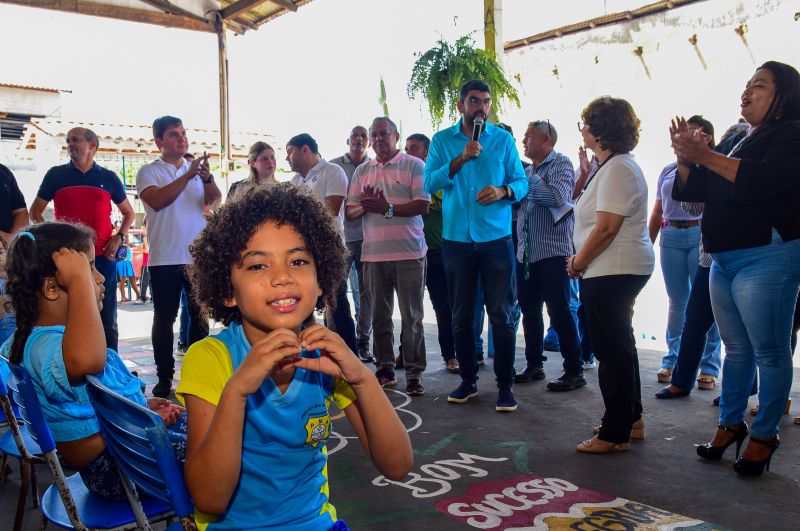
494	261
167	282
548	282
108	315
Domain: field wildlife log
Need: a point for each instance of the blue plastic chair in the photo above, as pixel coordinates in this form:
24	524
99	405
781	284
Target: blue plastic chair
138	440
67	503
18	444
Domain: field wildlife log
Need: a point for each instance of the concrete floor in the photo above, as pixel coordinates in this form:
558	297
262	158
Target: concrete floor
475	468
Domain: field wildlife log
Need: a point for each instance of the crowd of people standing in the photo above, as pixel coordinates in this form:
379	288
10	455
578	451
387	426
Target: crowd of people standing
460	214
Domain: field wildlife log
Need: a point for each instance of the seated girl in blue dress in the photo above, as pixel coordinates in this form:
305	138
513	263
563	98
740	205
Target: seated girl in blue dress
258	394
57	293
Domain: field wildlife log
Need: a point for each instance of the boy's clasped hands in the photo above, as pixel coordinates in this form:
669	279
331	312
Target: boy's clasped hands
279	350
165	409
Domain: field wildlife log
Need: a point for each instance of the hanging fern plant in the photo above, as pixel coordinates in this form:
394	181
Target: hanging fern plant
438	74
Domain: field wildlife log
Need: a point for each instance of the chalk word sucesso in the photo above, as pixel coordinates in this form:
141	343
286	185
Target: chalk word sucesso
489	512
440	473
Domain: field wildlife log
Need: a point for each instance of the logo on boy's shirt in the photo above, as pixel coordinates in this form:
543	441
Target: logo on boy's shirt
318	429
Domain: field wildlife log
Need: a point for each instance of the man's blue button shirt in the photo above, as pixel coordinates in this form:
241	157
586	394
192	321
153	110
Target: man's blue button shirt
466	220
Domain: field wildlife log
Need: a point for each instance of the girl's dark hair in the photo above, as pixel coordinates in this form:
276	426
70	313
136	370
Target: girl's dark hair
28	262
613	123
786	103
230	228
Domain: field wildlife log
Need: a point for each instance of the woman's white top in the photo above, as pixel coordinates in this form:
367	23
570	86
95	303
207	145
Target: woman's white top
618	187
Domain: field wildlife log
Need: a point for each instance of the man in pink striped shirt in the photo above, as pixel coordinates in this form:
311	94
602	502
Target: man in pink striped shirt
388	194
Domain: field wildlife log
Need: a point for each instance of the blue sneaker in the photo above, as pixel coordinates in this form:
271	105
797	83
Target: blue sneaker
463	392
505	400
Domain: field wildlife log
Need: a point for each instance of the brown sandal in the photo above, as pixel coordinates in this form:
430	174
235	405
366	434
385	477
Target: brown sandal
664	375
598	446
706	381
637	430
754	409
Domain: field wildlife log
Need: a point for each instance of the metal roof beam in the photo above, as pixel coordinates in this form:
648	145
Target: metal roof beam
237	8
172	9
120	13
286	4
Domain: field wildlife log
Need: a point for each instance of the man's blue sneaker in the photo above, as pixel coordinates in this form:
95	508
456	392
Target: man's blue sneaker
505	400
463	392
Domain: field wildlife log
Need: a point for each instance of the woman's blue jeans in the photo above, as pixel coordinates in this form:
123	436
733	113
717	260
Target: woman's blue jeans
753	293
679	257
698	325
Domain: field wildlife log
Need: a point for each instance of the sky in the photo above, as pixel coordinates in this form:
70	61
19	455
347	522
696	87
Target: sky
317	70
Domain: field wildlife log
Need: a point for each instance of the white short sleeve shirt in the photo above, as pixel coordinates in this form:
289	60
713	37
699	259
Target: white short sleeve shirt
619	187
171	229
326	179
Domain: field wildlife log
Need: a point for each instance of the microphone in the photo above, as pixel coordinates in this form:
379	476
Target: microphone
476	128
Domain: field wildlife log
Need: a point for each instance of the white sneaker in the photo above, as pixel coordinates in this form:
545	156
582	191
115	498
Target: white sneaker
590	365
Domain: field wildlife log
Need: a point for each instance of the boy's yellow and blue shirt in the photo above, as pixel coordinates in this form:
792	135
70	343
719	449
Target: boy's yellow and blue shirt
283	482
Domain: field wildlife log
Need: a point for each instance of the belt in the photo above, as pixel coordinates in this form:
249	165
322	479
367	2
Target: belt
683	224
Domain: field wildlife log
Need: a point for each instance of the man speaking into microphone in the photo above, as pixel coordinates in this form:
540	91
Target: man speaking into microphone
477	167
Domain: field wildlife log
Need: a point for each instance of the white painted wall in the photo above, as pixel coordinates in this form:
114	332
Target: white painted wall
602	61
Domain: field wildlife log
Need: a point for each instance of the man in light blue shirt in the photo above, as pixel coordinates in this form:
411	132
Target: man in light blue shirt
479	179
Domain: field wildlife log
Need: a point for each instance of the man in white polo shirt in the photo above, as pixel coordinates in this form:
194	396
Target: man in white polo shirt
328	182
175	193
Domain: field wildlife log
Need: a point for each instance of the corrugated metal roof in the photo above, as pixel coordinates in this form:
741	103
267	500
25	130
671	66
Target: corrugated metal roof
31	87
197	15
606	20
127	138
262	12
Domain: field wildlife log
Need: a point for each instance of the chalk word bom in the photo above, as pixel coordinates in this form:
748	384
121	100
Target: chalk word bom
440	475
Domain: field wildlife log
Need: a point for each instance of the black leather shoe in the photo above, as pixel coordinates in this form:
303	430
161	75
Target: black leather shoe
163	387
567	382
666	393
529	374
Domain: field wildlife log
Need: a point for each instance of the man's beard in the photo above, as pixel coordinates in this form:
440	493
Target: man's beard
471	119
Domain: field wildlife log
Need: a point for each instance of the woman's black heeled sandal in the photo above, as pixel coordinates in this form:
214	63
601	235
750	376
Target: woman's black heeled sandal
714	453
746	467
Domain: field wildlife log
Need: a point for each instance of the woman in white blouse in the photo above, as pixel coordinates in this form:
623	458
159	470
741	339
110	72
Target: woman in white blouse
614	258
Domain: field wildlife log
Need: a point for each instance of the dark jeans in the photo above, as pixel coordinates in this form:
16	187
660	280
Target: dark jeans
108	315
698	321
548	282
183	334
795	324
168	282
480	316
145	282
343	319
364	308
494	261
436	282
609	301
587	353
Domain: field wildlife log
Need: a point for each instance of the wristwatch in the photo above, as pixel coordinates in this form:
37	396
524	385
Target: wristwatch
209	180
390	212
123	238
509	192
